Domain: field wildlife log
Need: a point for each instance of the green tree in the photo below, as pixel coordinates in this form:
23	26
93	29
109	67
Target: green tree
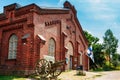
115	59
118	57
97	48
91	39
99	56
110	44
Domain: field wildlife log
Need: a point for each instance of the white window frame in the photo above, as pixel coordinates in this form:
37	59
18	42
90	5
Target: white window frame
12	52
52	46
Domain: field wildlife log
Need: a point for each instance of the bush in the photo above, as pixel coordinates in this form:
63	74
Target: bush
108	66
117	68
115	63
80	72
99	69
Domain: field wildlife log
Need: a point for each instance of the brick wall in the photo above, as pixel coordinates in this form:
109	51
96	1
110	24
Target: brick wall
29	22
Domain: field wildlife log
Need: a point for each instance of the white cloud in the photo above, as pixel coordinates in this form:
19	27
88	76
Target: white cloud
101	10
105	17
96	13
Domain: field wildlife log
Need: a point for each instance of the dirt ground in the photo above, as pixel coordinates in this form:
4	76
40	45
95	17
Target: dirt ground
105	75
71	75
109	75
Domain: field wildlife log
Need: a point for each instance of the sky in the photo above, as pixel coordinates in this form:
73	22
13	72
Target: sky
95	16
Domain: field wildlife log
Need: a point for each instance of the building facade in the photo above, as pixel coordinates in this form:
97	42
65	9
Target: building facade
31	32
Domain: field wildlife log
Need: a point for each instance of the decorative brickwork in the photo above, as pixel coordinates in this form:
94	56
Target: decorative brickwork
35	26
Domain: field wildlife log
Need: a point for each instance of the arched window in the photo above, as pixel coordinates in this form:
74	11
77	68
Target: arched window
51	47
12	47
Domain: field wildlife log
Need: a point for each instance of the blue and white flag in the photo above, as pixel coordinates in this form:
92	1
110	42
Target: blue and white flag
90	53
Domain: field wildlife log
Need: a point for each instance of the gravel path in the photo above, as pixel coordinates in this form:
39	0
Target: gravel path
71	75
110	75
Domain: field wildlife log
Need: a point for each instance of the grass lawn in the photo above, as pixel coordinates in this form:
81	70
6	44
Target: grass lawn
11	78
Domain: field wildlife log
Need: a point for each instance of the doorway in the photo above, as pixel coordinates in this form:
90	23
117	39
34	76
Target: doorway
69	55
71	62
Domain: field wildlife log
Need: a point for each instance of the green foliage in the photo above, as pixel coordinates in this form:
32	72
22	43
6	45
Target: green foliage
97	48
81	73
115	63
91	39
98	69
110	43
11	78
102	52
119	57
117	68
99	56
107	66
115	60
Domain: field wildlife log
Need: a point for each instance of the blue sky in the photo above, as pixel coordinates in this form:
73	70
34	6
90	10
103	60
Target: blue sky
95	16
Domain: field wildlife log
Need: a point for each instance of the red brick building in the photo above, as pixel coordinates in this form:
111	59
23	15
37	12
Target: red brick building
31	32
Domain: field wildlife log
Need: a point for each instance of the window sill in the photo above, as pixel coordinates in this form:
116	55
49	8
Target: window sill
10	59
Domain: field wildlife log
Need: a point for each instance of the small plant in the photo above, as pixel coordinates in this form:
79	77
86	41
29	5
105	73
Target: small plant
82	73
117	68
98	69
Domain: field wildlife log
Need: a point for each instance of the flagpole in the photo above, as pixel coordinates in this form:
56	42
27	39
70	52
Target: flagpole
91	56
